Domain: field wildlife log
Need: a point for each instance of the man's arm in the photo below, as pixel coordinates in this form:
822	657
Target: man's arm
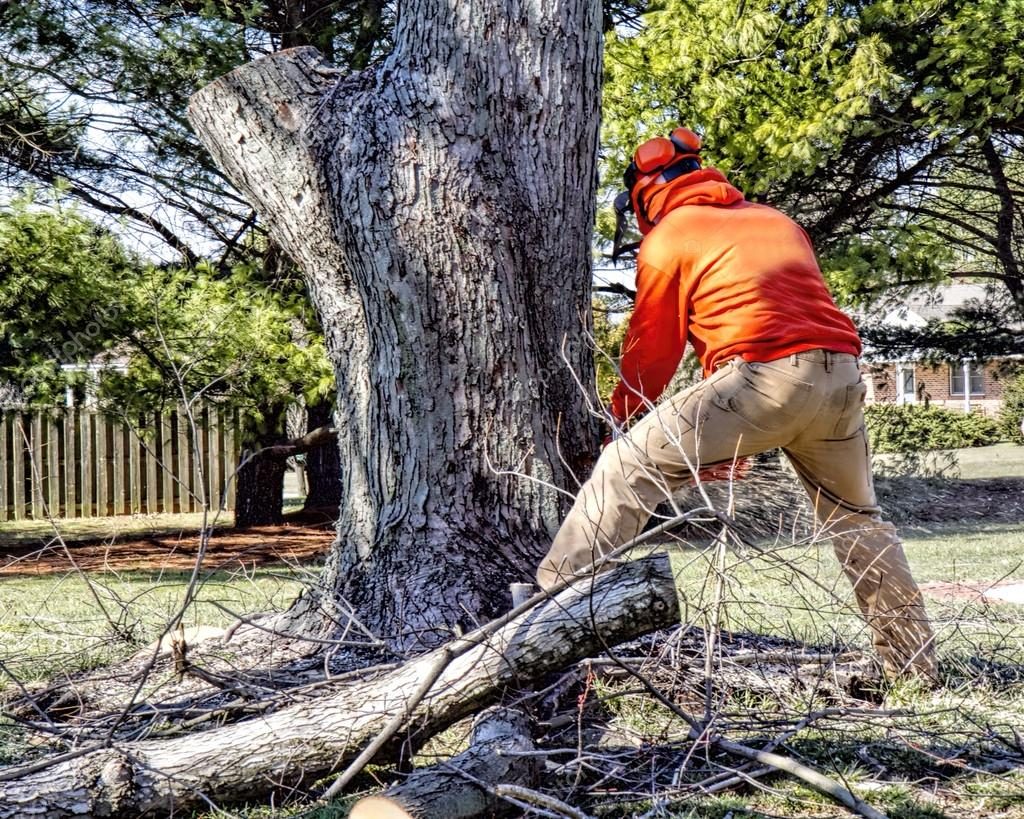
653	344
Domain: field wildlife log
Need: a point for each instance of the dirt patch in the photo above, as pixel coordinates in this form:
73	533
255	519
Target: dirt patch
951	500
1007	591
227	550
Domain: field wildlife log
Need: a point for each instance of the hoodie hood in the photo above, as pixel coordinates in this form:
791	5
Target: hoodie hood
708	186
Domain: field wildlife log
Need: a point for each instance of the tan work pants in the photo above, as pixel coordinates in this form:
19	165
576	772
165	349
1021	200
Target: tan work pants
811	405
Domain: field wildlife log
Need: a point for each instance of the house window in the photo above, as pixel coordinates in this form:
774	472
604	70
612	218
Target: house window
908	382
905	384
956	379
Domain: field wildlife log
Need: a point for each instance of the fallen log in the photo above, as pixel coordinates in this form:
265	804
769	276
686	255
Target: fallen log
300	744
461	787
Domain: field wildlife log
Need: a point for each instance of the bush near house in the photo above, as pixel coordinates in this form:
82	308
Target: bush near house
912	428
1011	413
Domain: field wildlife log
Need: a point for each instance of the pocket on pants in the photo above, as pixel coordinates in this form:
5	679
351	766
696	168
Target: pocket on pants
851	413
763	398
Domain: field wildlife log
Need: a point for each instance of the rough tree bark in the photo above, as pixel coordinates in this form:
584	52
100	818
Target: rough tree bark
440	207
498	752
304	742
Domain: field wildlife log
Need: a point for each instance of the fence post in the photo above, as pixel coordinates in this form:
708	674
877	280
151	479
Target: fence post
85	462
182	472
18	464
231	458
199	486
136	453
151	455
37	466
102	463
166	462
214	454
70	464
4	460
120	493
52	464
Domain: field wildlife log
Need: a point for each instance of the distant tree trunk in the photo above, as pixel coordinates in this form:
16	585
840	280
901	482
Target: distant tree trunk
323	464
441	208
260	483
1006	245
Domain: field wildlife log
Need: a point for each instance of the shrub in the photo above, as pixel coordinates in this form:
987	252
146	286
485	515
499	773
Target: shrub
1012	411
913	428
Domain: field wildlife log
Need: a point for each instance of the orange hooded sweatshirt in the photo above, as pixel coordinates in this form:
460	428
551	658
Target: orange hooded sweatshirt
732	277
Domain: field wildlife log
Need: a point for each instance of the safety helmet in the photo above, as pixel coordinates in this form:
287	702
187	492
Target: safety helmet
655	162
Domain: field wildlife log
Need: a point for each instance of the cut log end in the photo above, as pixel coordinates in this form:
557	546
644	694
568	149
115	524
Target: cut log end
379	807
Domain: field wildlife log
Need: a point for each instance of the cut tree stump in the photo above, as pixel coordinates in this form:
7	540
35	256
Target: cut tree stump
301	744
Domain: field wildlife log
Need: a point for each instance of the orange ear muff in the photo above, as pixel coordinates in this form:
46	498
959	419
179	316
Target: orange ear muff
685	140
654	155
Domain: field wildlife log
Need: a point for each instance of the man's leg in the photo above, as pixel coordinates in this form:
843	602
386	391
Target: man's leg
693	429
836	472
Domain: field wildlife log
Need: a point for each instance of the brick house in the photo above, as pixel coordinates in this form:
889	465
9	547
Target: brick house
964	384
942	384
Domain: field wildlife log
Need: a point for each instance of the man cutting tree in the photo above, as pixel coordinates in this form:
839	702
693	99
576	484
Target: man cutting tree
740	282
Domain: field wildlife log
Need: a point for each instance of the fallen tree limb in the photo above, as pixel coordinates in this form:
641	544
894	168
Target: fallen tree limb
301	744
460	788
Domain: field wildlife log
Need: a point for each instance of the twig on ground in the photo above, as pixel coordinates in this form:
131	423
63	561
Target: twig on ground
531	800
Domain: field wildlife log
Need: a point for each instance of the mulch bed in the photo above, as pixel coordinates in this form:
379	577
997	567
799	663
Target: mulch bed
228	549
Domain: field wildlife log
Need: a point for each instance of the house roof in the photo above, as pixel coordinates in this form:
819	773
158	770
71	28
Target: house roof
925	306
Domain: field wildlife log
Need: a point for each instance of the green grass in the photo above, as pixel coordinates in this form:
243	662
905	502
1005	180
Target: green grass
54	623
800	592
27	532
997	461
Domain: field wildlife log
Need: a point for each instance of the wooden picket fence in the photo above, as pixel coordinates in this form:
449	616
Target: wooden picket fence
77	463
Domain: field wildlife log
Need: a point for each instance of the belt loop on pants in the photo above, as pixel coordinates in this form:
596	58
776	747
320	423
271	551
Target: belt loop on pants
793	360
828	361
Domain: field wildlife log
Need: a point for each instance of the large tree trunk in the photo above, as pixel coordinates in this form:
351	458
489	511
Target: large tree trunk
304	742
440	207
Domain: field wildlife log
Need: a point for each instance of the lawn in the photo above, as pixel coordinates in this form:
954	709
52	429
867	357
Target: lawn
940	754
1003	460
996	461
22	532
59	623
942	757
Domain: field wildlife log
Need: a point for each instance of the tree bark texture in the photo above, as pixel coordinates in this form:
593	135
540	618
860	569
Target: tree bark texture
441	208
323	464
260	493
301	744
260	481
497	753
